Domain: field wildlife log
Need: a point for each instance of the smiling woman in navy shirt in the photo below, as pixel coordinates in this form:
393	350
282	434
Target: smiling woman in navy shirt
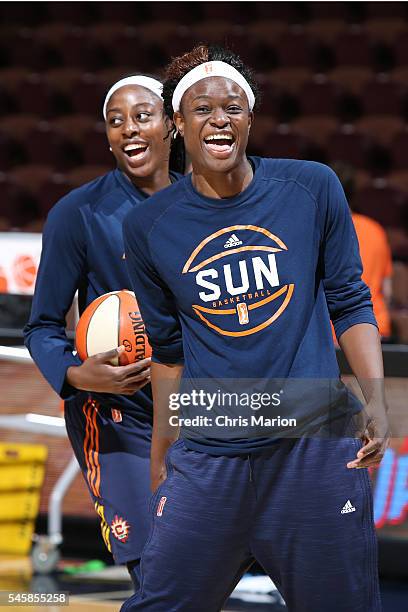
108	410
239	267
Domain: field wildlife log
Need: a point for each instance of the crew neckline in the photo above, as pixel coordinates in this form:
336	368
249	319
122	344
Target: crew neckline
131	188
240	198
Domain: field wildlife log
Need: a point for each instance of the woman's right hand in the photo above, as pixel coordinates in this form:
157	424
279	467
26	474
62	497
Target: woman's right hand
98	374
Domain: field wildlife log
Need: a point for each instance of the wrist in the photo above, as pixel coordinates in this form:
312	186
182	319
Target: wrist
72	376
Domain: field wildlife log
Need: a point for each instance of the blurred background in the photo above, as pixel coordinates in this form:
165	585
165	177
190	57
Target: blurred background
334	77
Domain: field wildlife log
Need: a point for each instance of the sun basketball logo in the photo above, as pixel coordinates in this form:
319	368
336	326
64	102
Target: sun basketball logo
243	295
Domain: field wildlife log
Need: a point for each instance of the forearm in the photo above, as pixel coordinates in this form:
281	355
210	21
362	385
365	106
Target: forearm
52	353
165	380
362	347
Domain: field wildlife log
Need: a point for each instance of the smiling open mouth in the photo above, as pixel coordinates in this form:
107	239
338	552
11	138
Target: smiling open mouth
133	150
219	143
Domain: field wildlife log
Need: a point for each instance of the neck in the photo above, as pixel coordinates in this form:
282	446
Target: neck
152	183
223	184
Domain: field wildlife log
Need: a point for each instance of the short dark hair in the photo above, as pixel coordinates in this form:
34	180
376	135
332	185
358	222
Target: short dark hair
181	65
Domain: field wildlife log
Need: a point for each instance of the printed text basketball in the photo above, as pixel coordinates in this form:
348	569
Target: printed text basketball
109	321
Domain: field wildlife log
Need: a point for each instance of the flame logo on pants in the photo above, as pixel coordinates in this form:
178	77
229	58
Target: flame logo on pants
238	311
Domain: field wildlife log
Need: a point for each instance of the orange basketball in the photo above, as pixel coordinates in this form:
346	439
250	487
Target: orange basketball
109	321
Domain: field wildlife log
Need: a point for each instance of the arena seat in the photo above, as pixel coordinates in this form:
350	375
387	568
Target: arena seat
78	50
8	102
23	13
385	10
382	96
53	188
380	128
25	51
269	96
315	128
287	79
88	94
222	11
45	145
83	174
351	78
289	12
329	10
40	184
352	48
294	48
385	30
73	12
348	145
266	31
399	150
382	202
258	135
319	96
399	179
129	45
156	10
95	147
18	204
400	285
325	30
31	176
74	127
128	13
283	142
11	153
400	324
400	75
398	239
34	95
17	125
401	49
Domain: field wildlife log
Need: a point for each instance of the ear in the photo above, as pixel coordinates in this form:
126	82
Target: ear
250	120
168	122
179	122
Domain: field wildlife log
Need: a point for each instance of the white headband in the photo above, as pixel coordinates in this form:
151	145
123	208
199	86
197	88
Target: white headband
144	81
211	69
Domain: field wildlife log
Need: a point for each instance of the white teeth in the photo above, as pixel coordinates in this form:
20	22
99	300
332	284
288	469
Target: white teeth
219	137
134	147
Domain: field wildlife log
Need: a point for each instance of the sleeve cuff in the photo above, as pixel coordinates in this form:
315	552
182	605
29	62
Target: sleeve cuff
67	391
168	357
341	326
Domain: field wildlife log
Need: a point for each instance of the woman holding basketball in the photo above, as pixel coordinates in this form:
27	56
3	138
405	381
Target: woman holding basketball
239	268
108	410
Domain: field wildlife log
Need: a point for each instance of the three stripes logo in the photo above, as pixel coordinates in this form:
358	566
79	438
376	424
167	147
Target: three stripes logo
91	446
232	241
348	507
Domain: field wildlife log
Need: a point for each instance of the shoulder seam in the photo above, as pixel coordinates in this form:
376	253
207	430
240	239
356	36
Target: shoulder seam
292	180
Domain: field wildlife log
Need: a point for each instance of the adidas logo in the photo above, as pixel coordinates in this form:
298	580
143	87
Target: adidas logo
348	507
232	242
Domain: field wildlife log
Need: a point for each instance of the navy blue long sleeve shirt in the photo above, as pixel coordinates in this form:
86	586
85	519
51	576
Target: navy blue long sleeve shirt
82	250
245	287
